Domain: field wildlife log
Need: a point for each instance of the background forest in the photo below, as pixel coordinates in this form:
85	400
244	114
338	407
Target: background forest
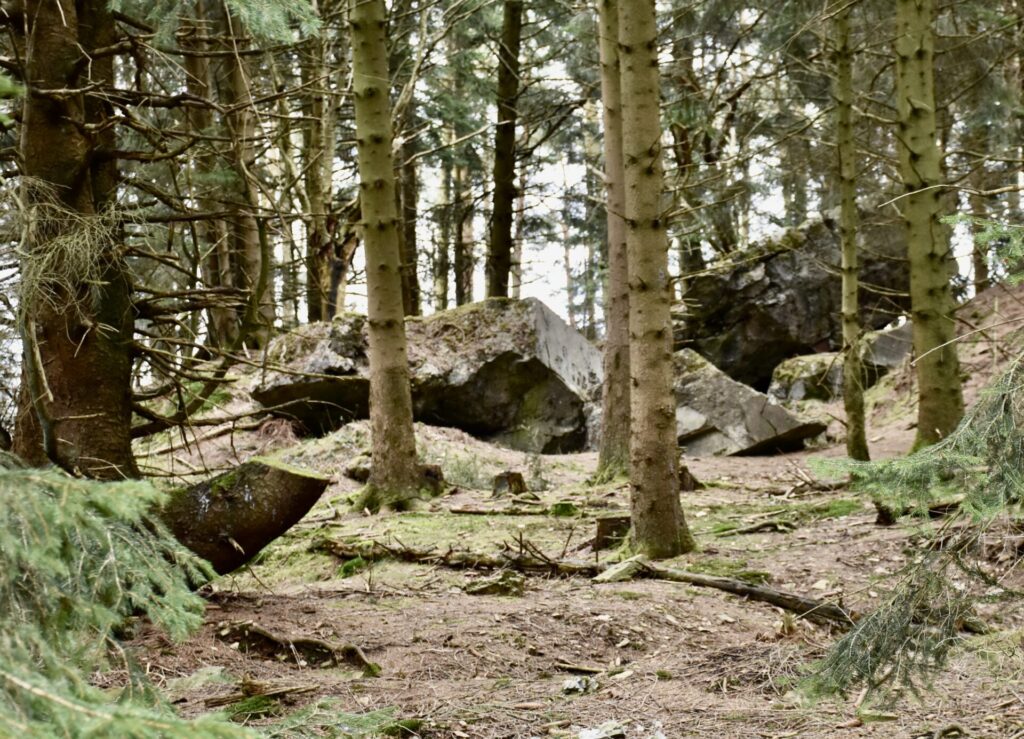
468	301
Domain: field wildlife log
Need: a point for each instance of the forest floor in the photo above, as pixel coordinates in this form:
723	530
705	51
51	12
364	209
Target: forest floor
661	658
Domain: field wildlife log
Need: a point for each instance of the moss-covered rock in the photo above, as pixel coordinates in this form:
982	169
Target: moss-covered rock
509	371
781	298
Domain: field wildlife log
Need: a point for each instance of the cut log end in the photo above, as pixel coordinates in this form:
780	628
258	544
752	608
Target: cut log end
230	518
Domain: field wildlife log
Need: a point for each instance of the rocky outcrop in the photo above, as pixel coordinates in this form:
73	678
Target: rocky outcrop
508	371
782	299
715	415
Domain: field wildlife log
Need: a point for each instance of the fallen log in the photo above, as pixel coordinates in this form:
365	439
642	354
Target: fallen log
230	518
819	611
530	560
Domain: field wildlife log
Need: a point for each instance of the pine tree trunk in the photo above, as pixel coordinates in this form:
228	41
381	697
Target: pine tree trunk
516	289
614	450
211	235
247	251
410	212
659	528
940	397
442	252
318	160
75	401
853	370
499	253
463	251
395	476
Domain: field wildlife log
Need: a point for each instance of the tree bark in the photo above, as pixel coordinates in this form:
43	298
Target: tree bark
318	160
247	250
410	193
659	528
463	251
940	396
615	427
395	475
75	402
499	253
853	370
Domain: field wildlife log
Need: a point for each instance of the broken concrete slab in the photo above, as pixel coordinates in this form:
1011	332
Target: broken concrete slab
508	371
715	415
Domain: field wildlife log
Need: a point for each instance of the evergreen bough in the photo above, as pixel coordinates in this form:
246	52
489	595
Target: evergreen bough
78	559
910	636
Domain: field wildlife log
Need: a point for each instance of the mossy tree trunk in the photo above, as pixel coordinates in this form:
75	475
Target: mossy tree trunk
940	396
395	475
499	252
853	369
75	402
659	528
614	451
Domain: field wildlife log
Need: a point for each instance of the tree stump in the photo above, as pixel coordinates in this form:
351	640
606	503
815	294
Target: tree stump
508	483
611	530
230	518
687	482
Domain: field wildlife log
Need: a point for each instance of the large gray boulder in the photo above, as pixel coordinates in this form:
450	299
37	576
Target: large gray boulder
508	371
715	415
781	298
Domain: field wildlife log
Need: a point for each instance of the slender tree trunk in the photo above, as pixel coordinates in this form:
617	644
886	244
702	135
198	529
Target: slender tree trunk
596	231
75	402
247	249
211	236
853	370
499	253
394	476
615	426
570	282
520	234
410	212
940	397
463	251
442	258
659	528
318	161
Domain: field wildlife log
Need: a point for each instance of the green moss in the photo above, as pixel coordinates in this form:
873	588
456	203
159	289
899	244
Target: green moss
736	569
256	706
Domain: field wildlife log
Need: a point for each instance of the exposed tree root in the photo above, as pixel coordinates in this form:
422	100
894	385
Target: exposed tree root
525	557
251	637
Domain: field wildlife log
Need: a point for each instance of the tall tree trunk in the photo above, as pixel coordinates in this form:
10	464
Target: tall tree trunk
463	251
211	235
853	370
659	528
318	160
248	251
394	476
442	254
520	233
499	252
613	456
75	402
410	212
940	397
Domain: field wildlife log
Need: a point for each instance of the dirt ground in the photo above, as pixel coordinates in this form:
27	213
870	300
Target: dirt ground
569	657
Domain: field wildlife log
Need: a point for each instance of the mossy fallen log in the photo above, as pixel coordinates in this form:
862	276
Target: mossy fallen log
228	519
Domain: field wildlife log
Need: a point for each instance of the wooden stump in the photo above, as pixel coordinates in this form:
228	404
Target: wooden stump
508	483
611	530
230	518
